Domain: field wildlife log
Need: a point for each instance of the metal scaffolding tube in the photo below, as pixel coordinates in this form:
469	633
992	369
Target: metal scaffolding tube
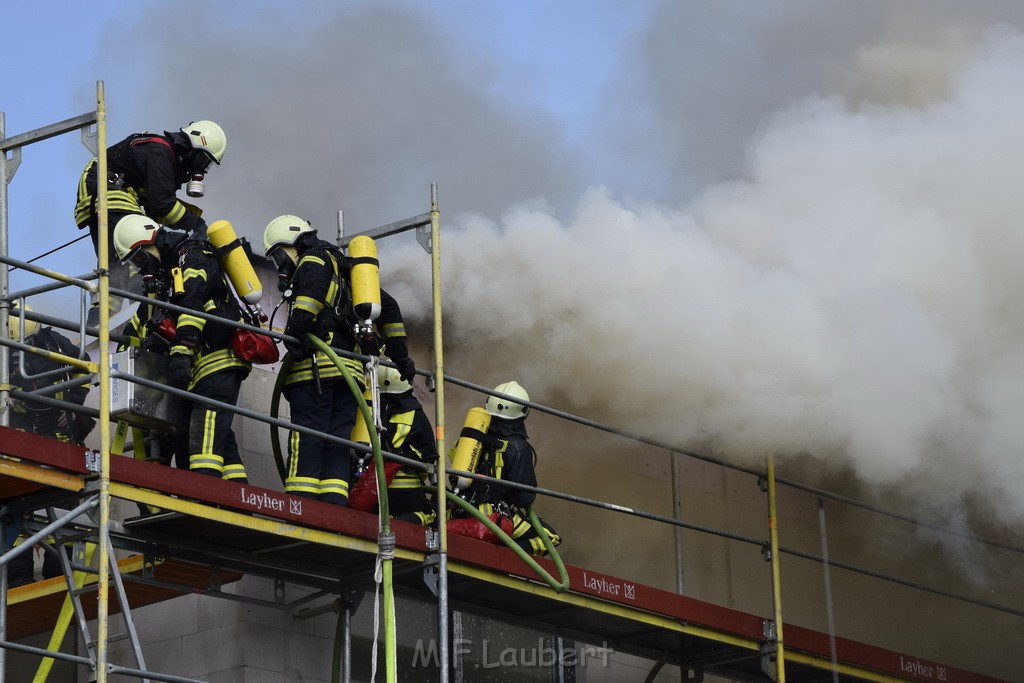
773	534
5	306
396	227
60	386
903	582
43	289
41	535
86	365
3	598
103	562
8	645
896	515
442	530
126	611
141	673
554	412
252	414
46	272
54	403
46	132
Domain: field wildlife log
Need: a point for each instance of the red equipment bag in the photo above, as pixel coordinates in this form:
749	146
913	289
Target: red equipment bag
474	528
363	495
254	347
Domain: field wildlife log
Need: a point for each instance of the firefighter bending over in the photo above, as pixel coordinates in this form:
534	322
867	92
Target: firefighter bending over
409	434
506	454
201	357
316	278
144	173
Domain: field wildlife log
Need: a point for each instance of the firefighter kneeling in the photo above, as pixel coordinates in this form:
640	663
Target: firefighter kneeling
503	452
409	434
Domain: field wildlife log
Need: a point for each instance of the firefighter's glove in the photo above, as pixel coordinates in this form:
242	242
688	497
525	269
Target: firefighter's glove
406	369
81	427
300	349
179	371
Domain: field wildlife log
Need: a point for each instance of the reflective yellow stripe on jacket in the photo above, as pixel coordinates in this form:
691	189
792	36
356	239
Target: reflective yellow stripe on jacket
118	201
302	371
208	363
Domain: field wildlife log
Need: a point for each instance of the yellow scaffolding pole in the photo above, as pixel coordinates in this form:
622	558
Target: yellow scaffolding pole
439	496
773	534
12	467
103	354
86	365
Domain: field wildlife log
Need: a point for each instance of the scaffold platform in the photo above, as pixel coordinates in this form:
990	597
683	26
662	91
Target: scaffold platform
211	532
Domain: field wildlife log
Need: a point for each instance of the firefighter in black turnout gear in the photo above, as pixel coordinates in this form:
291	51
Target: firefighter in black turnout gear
201	357
316	278
153	329
144	173
63	425
50	421
508	455
408	433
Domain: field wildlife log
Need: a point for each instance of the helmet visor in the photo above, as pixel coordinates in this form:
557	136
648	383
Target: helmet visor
143	262
282	261
201	160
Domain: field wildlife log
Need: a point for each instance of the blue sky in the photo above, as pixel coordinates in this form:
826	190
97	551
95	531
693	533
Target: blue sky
548	60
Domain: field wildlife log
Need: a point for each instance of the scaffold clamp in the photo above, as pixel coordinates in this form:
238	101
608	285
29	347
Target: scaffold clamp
92	461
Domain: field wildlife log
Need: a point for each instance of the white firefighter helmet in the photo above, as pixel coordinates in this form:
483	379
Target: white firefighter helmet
14	323
505	409
284	231
133	232
207	136
390	381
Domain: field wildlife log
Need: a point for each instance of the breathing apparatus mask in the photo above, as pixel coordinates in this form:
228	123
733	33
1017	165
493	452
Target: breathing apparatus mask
146	262
199	161
284	259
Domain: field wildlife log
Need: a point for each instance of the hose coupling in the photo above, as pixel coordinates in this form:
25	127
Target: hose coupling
386	545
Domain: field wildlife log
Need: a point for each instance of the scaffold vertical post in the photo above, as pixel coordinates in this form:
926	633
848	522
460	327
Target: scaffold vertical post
442	532
677	514
3	567
5	368
103	356
773	535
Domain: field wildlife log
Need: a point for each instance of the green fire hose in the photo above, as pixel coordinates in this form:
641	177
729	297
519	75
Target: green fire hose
386	539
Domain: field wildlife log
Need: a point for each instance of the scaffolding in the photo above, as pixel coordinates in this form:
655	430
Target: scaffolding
210	533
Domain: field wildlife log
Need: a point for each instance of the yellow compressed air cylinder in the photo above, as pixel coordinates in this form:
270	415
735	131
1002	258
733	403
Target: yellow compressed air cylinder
360	432
236	263
469	445
365	277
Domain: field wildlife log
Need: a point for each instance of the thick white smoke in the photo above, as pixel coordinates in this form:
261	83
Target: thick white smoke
855	299
800	233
